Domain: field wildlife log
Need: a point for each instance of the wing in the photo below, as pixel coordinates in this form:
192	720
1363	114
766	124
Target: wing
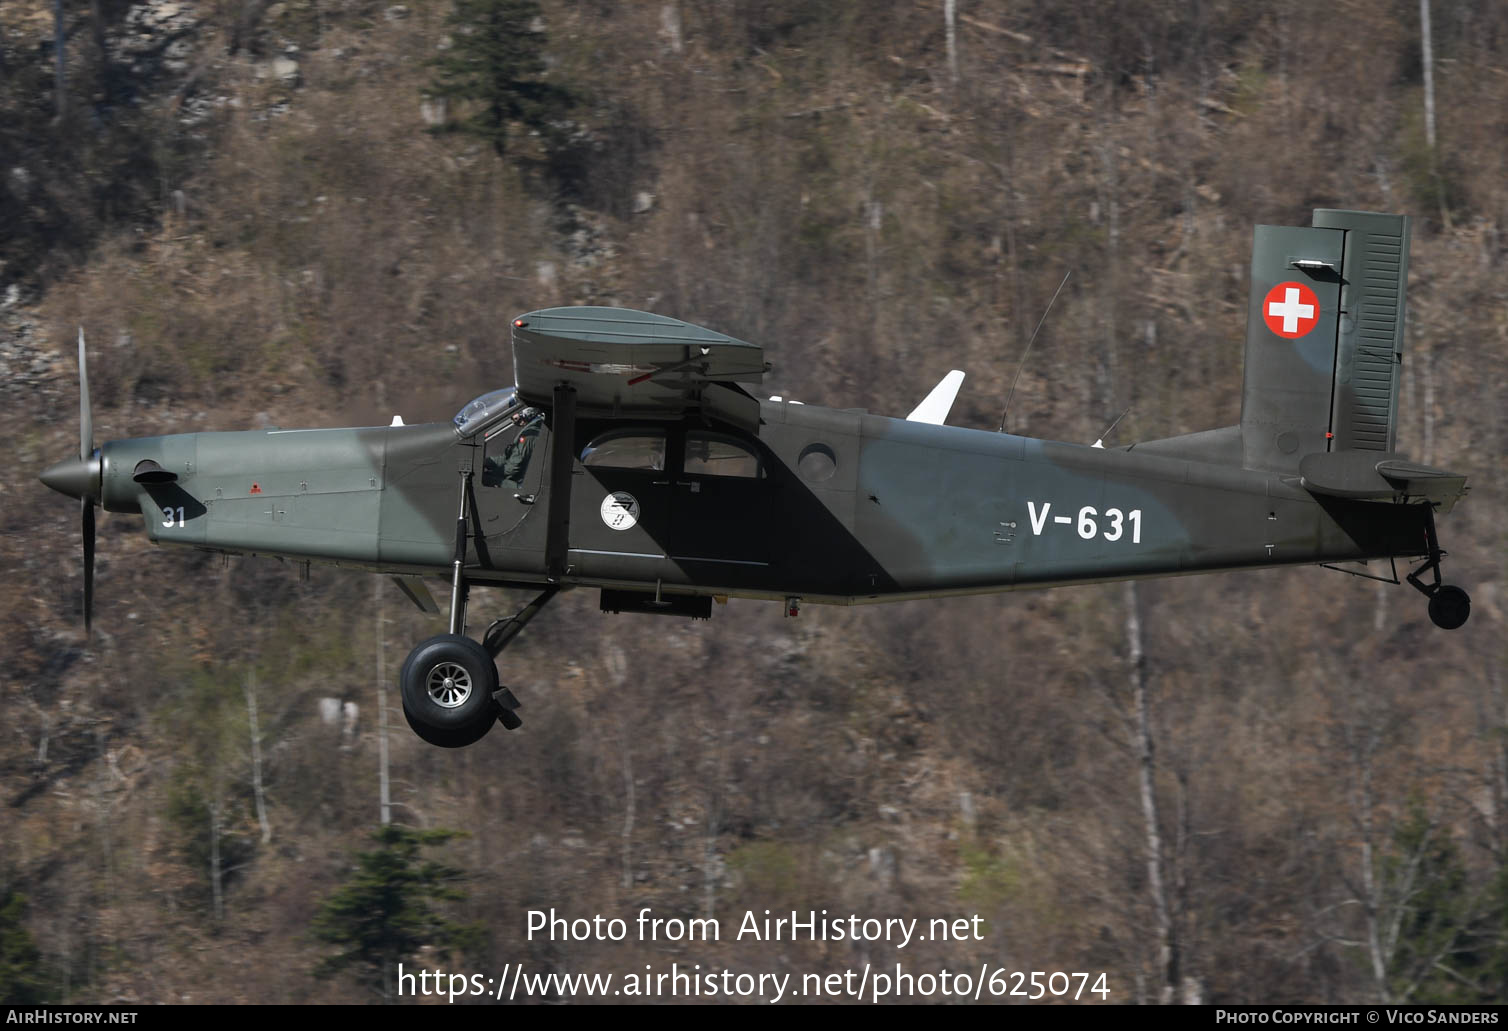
626	362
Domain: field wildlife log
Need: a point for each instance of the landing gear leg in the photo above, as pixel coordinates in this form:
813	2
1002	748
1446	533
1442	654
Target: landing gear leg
1449	606
451	695
460	589
448	682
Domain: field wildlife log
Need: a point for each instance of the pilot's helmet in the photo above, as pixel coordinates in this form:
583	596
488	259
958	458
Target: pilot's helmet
524	416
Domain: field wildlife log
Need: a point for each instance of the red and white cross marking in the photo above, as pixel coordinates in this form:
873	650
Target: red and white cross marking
1290	310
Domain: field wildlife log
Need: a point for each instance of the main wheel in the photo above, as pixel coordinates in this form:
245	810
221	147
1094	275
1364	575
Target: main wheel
447	684
447	738
1449	607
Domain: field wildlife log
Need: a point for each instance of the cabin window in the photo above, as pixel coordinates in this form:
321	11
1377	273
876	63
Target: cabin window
710	454
632	449
817	463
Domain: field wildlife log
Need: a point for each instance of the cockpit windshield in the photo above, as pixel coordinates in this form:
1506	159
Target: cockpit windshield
485	410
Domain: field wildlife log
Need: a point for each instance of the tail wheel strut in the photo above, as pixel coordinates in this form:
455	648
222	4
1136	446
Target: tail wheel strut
1449	605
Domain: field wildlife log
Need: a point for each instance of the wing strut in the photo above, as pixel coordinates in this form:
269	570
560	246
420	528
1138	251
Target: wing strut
562	456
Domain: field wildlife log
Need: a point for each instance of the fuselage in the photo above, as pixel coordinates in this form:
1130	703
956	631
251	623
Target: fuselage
823	504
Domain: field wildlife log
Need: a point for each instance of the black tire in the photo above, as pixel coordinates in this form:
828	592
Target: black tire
447	684
1449	607
447	738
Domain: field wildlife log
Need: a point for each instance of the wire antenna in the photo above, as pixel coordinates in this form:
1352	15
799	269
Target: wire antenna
1028	350
1100	440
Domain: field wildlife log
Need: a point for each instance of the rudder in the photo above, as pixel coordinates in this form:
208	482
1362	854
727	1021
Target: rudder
1369	350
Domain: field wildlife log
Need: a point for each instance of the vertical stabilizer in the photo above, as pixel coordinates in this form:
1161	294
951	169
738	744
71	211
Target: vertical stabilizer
1324	338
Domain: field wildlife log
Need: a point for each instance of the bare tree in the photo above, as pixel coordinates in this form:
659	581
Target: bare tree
97	26
1427	53
950	20
1168	957
628	815
60	46
617	671
1427	47
1397	867
216	867
256	757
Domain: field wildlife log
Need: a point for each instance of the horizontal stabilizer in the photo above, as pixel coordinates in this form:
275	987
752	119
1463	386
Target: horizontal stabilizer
1369	476
936	405
1440	486
414	590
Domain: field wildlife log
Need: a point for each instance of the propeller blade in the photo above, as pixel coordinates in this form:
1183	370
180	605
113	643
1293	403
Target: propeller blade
86	420
86	503
86	510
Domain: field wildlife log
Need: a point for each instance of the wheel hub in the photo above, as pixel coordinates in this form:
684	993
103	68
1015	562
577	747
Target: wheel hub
449	685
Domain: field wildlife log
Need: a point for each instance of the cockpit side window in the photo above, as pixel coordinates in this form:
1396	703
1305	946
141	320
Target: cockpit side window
485	410
712	454
626	449
509	466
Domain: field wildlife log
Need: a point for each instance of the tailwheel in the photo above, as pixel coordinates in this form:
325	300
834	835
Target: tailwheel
447	683
1449	607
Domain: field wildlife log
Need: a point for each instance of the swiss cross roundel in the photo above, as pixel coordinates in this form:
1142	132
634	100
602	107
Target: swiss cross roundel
1290	310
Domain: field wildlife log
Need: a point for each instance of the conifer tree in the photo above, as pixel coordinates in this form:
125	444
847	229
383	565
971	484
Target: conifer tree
384	913
494	72
21	981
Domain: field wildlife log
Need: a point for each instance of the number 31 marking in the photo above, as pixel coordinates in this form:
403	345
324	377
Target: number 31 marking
170	514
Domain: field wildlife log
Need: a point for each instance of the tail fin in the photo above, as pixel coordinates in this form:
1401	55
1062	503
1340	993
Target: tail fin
1324	349
1324	338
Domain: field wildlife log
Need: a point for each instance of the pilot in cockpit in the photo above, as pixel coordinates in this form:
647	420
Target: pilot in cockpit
509	468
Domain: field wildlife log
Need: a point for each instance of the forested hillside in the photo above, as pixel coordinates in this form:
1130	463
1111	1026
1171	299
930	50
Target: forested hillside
307	213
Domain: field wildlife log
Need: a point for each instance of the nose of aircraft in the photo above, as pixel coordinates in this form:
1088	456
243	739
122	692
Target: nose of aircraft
76	477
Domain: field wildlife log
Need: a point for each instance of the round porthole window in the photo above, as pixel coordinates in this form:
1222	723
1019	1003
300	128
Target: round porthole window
818	462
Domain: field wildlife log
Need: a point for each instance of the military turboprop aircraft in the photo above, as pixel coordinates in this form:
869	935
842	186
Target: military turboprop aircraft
630	456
